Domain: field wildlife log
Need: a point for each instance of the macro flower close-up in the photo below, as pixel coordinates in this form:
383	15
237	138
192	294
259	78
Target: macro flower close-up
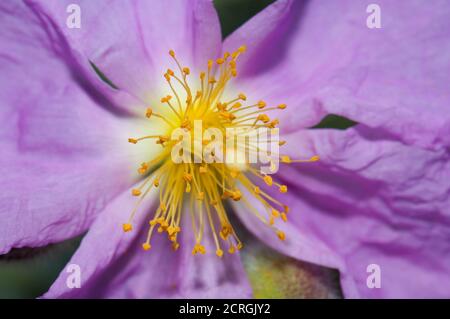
127	131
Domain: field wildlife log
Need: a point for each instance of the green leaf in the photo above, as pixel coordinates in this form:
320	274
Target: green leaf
234	13
336	122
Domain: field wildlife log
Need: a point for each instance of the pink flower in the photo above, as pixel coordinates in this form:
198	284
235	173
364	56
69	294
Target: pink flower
379	194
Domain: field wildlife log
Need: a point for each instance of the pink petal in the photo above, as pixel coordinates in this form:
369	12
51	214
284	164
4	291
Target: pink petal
320	57
113	264
57	166
129	41
372	201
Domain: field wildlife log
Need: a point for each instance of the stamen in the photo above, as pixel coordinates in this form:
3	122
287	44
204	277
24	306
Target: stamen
202	188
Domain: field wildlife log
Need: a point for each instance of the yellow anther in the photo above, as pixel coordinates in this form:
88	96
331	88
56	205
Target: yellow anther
242	96
283	189
175	246
186	70
162	139
198	248
282	106
314	158
263	118
170	72
163	207
220	61
172	53
273	124
187	177
156	182
233	72
232	249
221	106
219	252
167	77
153	222
127	227
239	246
286	208
257	190
202	169
146	246
285	159
135	192
212	80
132	140
227	116
242	49
201	196
281	143
170	230
281	235
261	104
148	112
275	213
202	75
143	168
236	105
225	231
284	217
233	64
236	195
268	180
186	124
271	220
210	64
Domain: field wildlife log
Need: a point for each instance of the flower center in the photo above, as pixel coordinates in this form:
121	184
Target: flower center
200	180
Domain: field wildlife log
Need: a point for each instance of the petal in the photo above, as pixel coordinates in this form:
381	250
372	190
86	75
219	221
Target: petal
375	201
113	264
56	163
321	57
301	245
129	40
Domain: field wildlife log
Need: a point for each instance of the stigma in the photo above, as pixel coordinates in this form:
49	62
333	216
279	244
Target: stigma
202	185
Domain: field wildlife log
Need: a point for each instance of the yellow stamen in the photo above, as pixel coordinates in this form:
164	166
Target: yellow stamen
201	188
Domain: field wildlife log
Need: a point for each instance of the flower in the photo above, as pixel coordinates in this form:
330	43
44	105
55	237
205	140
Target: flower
379	195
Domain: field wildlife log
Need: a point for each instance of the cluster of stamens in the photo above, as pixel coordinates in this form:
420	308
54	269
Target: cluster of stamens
202	188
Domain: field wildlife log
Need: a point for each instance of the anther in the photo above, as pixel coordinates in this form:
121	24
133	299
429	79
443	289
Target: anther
261	104
281	235
148	112
268	180
283	189
127	227
135	192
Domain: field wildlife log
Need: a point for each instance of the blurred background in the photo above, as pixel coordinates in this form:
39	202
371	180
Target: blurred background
28	273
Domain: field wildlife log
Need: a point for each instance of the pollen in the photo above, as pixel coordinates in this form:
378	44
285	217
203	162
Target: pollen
202	189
